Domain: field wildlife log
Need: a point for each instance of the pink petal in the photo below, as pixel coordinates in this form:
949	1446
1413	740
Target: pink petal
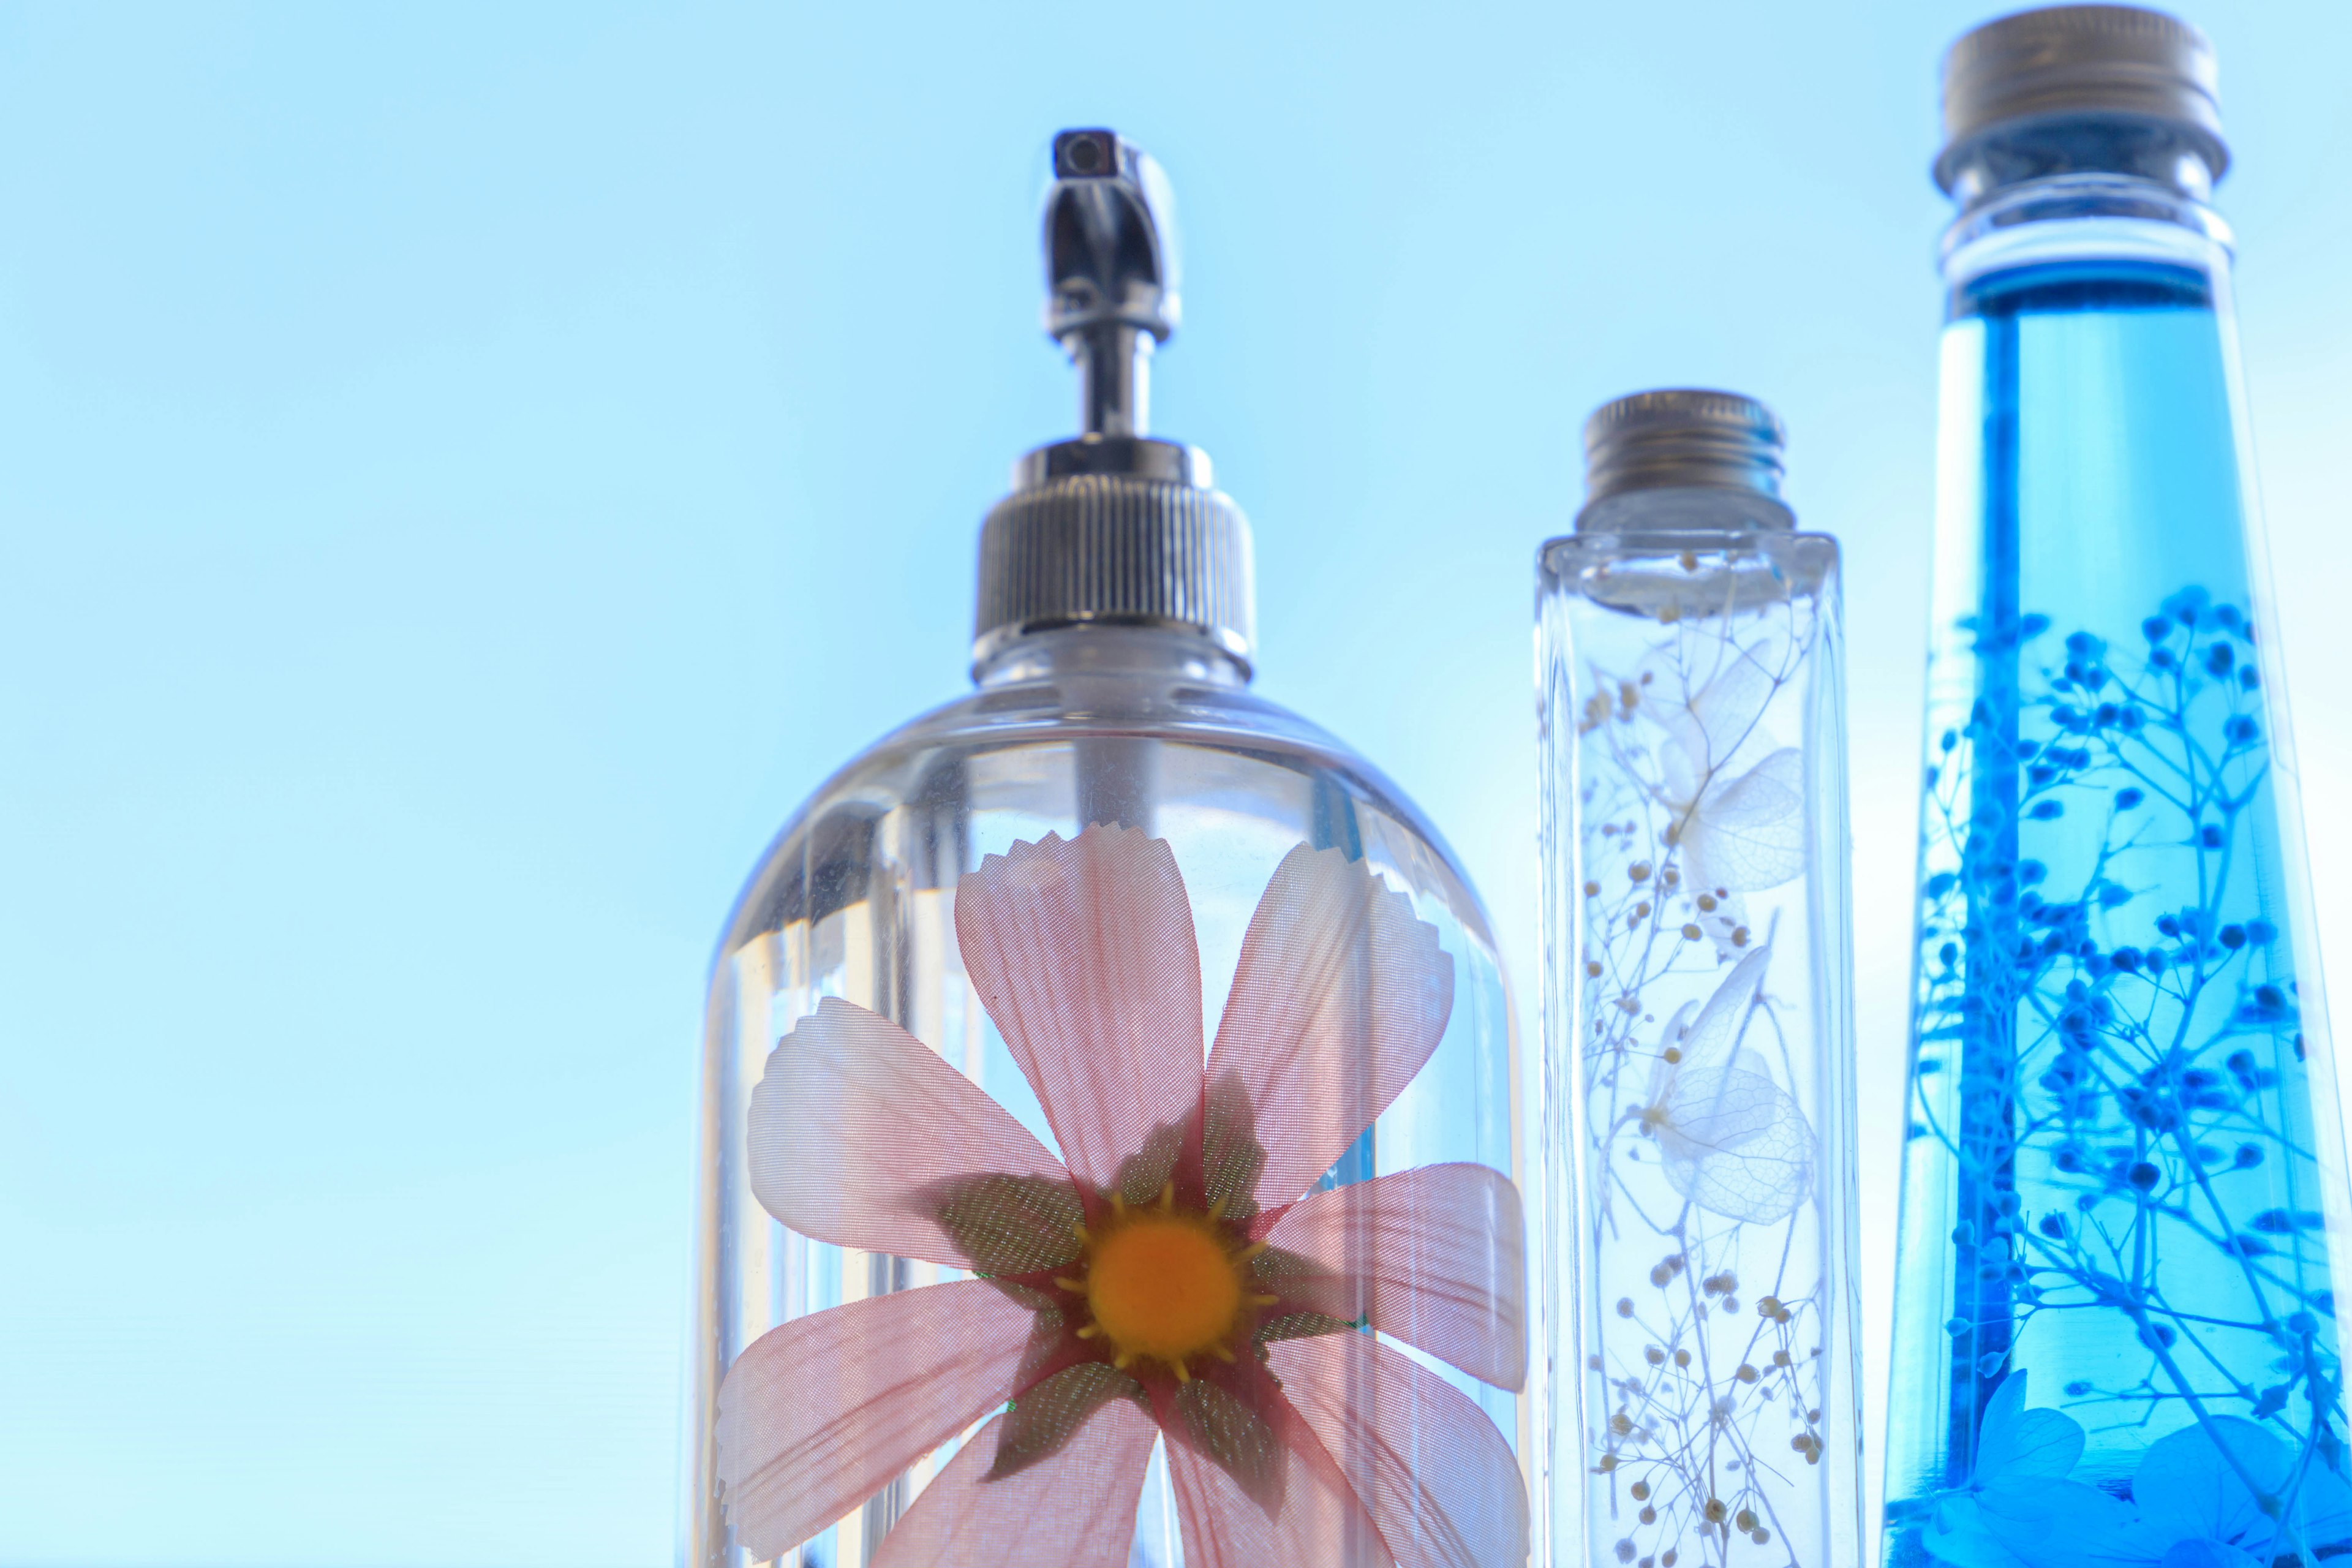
820	1412
1340	997
1435	1256
860	1134
1318	1520
1440	1482
1084	954
1075	1509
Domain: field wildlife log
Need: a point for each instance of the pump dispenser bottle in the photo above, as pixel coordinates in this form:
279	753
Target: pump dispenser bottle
1110	1111
2115	1337
1698	1092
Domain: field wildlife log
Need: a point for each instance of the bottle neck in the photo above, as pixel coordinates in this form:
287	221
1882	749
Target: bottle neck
2086	216
1686	509
1110	651
2182	158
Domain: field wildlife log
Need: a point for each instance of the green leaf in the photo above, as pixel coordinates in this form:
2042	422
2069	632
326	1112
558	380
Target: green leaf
1306	1285
1048	1417
1232	1158
1142	1174
1234	1438
1300	1326
1010	1225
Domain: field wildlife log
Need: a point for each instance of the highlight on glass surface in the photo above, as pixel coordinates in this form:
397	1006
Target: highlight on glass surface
1697	1090
1003	1259
2124	1194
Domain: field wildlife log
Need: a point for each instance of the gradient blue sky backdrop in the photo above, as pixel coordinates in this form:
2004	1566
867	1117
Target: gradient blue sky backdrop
467	472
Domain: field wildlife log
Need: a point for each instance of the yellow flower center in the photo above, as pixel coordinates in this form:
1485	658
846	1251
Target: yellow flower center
1166	1283
1164	1286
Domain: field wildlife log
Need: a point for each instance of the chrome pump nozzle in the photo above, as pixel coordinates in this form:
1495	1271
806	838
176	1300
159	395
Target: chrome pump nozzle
1112	527
1111	274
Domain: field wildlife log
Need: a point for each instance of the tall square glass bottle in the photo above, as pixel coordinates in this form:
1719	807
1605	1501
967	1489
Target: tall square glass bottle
1698	1096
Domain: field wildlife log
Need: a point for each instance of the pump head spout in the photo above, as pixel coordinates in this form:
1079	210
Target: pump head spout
1110	274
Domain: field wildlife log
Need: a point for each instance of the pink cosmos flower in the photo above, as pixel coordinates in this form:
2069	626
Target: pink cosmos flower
1170	1280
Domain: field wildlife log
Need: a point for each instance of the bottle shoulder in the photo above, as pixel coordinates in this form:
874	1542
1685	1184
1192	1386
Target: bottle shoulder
1197	759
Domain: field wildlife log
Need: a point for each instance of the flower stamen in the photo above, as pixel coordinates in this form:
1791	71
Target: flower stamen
1166	1282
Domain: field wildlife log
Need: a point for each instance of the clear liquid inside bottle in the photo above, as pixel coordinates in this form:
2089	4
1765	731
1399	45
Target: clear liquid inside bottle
1699	1049
855	901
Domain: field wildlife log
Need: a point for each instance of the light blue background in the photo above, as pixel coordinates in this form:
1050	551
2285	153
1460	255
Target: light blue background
465	472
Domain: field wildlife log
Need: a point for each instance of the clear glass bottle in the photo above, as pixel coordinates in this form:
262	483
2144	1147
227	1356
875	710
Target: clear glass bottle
1698	1096
1112	717
2115	1337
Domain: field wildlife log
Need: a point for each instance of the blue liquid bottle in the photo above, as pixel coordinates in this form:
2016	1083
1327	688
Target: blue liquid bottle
2115	1333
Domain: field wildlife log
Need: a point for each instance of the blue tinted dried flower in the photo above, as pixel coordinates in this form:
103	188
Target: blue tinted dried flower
2187	604
2234	936
2157	1336
2220	659
2128	798
2144	1176
2242	730
2210	836
2047	810
2260	933
2162	659
2156	628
